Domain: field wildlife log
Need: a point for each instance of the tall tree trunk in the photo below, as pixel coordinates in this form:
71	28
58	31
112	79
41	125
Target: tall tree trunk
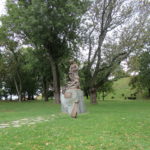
57	92
45	89
6	97
103	95
32	96
23	96
93	98
18	89
29	96
56	82
10	96
149	92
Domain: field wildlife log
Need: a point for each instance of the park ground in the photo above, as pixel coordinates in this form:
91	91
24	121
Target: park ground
115	125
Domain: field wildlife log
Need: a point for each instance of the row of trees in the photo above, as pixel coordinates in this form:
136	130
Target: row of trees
22	73
48	26
39	37
141	66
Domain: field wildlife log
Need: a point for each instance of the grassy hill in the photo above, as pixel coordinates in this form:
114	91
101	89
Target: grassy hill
121	89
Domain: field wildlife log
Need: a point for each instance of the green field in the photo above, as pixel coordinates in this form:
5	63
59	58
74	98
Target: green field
109	125
116	124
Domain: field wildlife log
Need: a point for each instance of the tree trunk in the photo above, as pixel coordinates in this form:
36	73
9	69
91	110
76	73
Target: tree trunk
93	98
149	92
18	89
57	91
103	95
10	96
23	96
45	89
5	97
56	82
86	93
19	97
32	97
29	96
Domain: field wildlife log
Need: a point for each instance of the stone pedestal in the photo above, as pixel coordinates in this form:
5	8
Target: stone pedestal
69	98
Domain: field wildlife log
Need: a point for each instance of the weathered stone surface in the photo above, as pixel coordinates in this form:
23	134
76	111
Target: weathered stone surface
67	95
72	99
67	102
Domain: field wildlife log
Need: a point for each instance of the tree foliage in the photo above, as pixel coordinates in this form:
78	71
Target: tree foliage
46	25
110	33
142	80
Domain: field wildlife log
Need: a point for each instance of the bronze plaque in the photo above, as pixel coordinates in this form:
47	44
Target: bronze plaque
68	95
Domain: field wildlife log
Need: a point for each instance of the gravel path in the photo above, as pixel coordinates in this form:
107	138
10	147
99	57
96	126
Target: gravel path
27	121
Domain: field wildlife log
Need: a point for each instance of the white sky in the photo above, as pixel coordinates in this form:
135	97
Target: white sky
2	7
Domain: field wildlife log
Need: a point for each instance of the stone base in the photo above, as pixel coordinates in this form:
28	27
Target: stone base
69	98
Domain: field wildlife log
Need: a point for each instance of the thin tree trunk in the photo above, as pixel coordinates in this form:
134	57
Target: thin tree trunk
57	92
32	97
93	95
56	82
18	90
45	89
149	92
5	97
29	96
10	96
19	86
103	95
23	96
19	97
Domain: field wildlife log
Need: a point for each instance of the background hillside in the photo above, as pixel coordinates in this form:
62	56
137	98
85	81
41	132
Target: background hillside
122	90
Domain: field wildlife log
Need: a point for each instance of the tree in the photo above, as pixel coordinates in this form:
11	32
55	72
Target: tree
119	72
18	76
48	25
138	64
106	88
133	64
13	59
29	73
141	81
110	33
41	70
144	71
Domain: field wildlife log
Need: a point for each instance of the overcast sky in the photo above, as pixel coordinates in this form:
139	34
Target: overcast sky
2	7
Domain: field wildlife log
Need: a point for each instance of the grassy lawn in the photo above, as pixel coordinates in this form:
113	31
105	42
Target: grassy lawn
110	125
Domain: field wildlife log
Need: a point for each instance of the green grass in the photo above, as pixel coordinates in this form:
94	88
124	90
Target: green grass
110	125
14	110
121	87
